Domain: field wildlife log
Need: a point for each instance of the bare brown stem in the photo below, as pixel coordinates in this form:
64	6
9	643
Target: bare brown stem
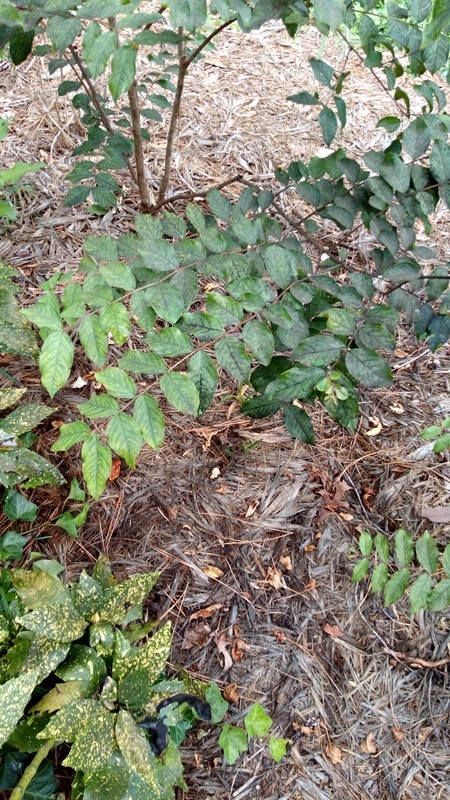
174	118
191	195
206	41
139	148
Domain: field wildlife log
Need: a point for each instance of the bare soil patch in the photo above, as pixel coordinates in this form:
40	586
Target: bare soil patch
255	531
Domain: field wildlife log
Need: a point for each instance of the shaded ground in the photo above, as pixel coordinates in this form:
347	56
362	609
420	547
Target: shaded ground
251	529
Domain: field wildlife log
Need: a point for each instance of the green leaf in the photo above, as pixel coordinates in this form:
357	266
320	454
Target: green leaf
224	308
158	255
141	311
427	552
9	397
219	205
375	337
20	45
403	547
382	546
97	52
232	357
368	367
257	722
169	342
204	327
328	123
439	598
396	586
99	406
123	70
379	578
419	592
118	275
189	14
277	748
341	321
45	313
150	420
94	742
322	71
14	698
365	543
233	742
115	320
440	161
129	593
67	522
70	434
96	464
203	373
294	384
280	264
25	418
218	705
63	32
117	382
62	694
298	423
181	392
318	351
16	506
166	300
94	339
260	407
61	623
416	138
390	124
259	338
142	363
124	437
304	99
360	570
136	751
55	361
446	560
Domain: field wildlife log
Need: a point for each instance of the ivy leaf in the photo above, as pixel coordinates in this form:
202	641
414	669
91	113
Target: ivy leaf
427	552
181	392
123	70
203	373
368	367
96	462
277	748
166	300
70	434
117	382
257	722
14	698
404	548
259	338
396	586
218	705
233	742
94	339
124	437
419	592
140	362
115	320
55	361
298	423
232	357
99	406
150	420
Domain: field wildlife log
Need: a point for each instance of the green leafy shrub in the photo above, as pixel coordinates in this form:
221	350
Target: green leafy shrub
71	673
440	435
428	590
9	178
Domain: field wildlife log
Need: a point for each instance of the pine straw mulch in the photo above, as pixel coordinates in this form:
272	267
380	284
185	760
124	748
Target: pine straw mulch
255	533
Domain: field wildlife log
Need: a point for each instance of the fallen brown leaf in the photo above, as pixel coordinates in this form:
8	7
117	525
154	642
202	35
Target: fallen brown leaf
286	562
237	651
310	586
437	514
275	578
231	693
205	613
368	746
115	469
332	630
222	644
251	509
377	427
398	734
196	636
279	635
213	572
333	752
222	489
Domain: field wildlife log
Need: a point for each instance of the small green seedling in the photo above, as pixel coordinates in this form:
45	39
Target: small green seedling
441	435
